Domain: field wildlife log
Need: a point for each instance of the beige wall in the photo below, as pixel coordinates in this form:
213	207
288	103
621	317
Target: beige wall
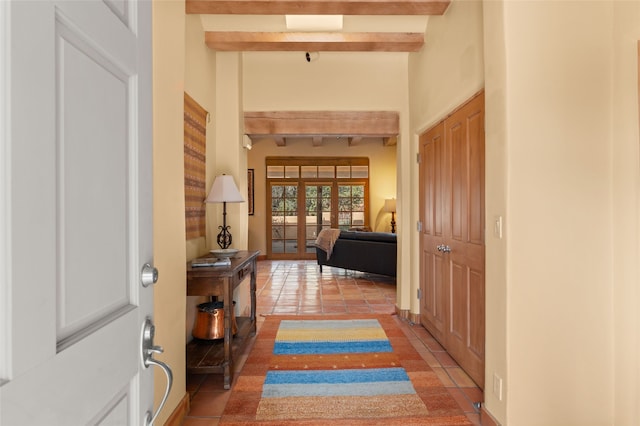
382	179
168	193
231	157
199	83
496	206
562	125
626	213
558	216
562	170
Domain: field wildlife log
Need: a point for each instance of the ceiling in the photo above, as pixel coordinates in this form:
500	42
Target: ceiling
367	26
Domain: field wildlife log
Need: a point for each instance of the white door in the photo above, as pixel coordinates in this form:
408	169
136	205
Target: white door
75	211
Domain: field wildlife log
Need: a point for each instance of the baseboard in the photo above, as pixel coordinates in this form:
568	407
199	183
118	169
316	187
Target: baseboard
402	313
177	417
262	257
406	315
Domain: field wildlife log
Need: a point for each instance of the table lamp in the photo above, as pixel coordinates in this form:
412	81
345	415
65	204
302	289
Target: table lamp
224	190
390	206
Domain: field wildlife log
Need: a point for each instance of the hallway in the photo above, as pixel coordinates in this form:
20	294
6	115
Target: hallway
298	288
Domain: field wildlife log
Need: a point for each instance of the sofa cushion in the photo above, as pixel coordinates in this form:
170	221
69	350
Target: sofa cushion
383	237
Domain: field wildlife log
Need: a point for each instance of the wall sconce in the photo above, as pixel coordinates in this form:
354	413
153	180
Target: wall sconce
390	206
224	190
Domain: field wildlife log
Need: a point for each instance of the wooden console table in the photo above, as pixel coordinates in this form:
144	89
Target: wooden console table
216	356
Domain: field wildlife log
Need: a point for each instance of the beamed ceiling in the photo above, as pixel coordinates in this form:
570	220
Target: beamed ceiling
368	26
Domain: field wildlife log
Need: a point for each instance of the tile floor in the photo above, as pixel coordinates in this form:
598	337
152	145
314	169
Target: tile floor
298	288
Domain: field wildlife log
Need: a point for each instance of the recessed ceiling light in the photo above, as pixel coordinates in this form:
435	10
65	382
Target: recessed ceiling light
314	22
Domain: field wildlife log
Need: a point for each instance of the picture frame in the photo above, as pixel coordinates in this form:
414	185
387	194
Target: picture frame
250	190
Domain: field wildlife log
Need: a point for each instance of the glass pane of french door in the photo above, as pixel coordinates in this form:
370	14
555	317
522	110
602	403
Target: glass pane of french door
284	218
317	212
351	212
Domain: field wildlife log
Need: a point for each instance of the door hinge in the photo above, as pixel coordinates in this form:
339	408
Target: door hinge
419	226
419	293
418	158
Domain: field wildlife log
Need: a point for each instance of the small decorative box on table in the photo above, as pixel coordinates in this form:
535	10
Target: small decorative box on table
216	356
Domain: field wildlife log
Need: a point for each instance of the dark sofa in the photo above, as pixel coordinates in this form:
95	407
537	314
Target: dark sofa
374	252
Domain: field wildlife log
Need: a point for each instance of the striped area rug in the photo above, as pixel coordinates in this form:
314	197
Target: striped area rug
337	370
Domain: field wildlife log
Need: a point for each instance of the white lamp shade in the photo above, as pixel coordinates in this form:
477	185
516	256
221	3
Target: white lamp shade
224	190
390	205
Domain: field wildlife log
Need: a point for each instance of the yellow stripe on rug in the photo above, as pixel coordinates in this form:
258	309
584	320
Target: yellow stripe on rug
340	407
351	334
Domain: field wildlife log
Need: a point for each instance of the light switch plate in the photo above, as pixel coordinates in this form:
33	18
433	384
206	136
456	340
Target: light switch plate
497	226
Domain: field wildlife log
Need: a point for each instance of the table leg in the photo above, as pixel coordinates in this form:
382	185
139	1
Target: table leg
252	292
228	306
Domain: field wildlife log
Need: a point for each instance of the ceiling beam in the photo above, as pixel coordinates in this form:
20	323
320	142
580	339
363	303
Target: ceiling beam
317	7
352	141
282	124
232	41
392	141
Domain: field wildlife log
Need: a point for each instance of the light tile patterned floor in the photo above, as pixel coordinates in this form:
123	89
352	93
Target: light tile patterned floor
298	288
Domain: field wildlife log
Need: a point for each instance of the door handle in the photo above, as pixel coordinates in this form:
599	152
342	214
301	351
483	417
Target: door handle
443	248
147	351
148	275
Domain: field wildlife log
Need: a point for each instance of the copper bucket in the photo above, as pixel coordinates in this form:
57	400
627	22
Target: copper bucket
209	323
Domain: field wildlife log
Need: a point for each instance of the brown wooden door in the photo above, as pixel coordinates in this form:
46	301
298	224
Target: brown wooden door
464	236
453	276
432	173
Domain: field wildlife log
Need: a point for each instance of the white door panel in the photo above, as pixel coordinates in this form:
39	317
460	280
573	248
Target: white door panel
77	190
93	182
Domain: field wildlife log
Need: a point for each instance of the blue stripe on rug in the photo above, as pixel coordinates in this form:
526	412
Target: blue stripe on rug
342	389
329	347
368	375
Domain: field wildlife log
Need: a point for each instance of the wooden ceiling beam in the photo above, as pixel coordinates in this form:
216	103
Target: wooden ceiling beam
232	41
382	124
392	141
317	7
352	141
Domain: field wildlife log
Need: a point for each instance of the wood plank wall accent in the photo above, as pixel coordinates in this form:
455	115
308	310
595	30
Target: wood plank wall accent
195	155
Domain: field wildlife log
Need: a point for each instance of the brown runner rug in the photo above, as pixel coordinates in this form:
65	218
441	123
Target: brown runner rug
355	370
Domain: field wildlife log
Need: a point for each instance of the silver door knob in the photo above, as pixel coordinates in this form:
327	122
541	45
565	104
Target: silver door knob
148	275
446	249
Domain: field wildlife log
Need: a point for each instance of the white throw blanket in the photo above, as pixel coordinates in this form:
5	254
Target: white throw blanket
326	239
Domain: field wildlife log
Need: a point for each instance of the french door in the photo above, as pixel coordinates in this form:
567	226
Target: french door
301	209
